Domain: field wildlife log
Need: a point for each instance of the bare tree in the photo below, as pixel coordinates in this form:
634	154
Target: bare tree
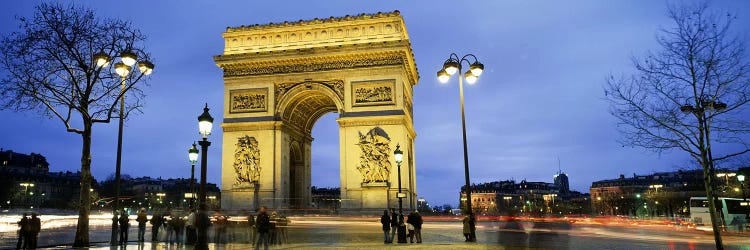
50	68
688	95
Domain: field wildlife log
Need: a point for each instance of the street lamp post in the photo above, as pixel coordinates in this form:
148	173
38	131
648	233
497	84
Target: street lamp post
703	105
741	178
399	156
193	157
205	122
450	67
123	69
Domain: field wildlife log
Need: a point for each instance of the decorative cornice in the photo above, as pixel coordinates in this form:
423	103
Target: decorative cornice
362	16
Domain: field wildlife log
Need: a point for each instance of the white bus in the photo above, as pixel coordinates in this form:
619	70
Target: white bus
731	209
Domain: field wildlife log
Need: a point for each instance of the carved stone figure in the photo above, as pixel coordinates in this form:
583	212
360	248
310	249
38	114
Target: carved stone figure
374	162
246	161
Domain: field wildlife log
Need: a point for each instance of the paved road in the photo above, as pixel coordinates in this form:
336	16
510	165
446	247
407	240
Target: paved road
364	233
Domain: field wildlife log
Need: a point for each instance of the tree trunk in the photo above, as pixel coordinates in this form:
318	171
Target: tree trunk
82	230
707	181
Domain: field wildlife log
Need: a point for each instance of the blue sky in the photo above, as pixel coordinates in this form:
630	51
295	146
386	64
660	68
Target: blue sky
540	98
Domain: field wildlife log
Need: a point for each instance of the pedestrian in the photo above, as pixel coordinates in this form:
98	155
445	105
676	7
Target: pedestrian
273	231
124	225
472	228
250	228
23	227
410	230
415	219
36	227
467	228
282	223
394	224
385	220
142	218
156	222
176	223
190	234
220	228
263	223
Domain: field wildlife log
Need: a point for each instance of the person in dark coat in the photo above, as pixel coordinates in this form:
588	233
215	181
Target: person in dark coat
124	225
142	219
466	228
385	220
36	227
156	221
472	227
263	223
415	219
24	226
394	224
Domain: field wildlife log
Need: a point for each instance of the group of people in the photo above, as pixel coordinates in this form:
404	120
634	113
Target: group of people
263	229
392	221
28	231
170	224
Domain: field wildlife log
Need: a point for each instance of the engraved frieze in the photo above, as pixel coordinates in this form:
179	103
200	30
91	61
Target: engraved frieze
248	100
336	85
371	93
393	59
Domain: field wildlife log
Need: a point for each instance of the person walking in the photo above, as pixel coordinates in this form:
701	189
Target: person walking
263	223
394	225
142	218
385	220
156	222
190	233
220	228
23	227
124	222
250	228
35	228
415	219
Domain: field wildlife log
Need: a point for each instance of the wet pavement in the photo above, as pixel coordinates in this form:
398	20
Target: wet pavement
365	233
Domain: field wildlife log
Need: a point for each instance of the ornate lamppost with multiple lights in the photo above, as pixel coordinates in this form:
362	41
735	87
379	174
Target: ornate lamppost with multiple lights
450	67
205	122
398	155
123	69
193	157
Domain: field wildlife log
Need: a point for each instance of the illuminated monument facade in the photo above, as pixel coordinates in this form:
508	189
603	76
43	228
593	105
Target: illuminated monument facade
279	79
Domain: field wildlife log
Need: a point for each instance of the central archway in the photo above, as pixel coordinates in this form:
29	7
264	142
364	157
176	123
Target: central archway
301	106
280	79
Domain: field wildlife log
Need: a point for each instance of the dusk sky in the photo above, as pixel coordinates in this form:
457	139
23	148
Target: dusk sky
540	98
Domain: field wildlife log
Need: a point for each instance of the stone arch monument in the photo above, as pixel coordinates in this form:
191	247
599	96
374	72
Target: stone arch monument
280	78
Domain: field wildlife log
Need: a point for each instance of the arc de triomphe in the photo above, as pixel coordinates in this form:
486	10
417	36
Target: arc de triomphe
280	78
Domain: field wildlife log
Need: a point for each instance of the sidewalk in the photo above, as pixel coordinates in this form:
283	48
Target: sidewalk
358	246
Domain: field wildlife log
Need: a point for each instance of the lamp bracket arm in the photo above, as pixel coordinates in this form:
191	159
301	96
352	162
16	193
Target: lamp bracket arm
467	60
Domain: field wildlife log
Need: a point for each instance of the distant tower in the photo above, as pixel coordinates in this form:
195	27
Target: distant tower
561	179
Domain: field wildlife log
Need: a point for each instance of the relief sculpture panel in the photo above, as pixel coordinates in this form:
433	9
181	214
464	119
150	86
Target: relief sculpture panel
373	93
246	161
374	161
248	100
